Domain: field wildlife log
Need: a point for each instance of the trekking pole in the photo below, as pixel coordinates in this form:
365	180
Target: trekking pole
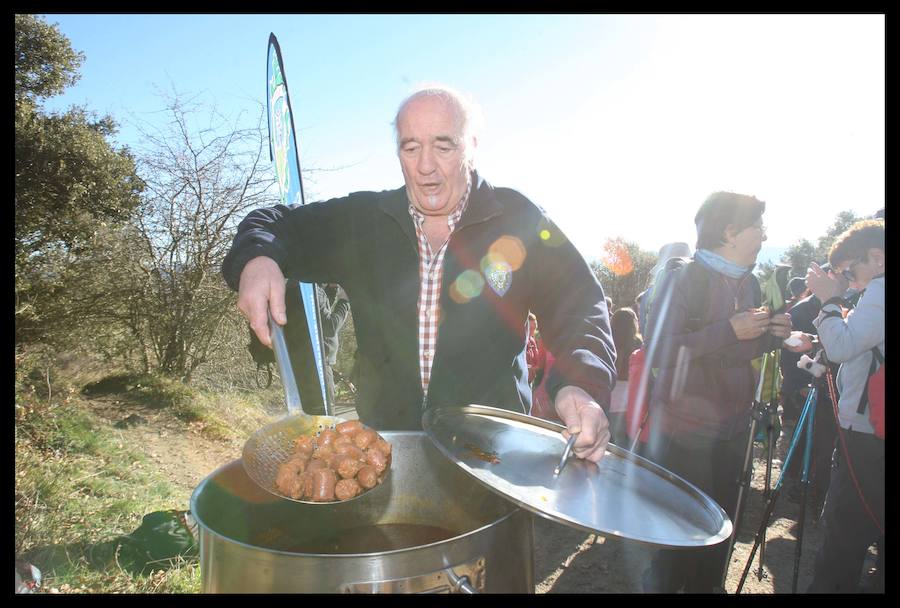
747	468
771	414
806	416
804	485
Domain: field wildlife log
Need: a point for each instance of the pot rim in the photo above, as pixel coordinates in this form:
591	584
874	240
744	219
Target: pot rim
209	530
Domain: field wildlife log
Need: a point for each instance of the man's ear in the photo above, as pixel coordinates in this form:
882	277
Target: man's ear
730	233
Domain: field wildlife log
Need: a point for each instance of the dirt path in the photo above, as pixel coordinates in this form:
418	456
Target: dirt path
179	450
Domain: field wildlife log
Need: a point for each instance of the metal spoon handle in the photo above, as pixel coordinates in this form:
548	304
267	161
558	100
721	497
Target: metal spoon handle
279	345
565	456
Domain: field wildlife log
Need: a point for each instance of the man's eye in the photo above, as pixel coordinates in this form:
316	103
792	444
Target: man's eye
410	149
444	149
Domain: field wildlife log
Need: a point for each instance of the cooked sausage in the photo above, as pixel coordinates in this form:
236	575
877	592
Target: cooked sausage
350	426
308	486
323	453
346	489
364	438
383	446
367	476
326	438
351	450
324	481
378	460
347	466
345	439
304	444
285	479
316	464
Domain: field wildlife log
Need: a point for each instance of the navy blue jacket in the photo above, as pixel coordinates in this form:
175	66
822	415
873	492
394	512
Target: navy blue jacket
366	242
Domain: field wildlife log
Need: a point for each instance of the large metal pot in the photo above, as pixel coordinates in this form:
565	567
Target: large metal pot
428	528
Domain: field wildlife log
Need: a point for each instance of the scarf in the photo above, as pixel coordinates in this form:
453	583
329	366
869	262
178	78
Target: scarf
716	262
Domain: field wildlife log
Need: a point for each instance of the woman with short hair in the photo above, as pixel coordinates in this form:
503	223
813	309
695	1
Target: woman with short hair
853	517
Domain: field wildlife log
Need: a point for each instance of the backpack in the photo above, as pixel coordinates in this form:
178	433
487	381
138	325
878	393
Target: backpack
263	356
873	393
697	279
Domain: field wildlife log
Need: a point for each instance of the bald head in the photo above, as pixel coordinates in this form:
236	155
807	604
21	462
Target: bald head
465	115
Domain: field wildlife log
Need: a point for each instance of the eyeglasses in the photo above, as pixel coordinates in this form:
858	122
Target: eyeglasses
849	272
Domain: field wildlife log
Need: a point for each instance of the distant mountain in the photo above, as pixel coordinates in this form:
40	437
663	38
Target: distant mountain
770	254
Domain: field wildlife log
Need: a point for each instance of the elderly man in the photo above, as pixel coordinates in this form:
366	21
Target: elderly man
440	275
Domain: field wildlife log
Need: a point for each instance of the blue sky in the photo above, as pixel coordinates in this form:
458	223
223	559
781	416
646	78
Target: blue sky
618	125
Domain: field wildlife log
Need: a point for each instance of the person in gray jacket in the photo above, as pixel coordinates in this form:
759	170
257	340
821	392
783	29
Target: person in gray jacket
854	506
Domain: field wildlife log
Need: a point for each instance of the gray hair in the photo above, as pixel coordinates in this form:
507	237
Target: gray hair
467	110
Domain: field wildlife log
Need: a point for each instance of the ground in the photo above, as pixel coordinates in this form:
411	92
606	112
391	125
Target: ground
566	560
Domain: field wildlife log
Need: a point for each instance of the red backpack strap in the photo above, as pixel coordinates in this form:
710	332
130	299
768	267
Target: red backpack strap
877	361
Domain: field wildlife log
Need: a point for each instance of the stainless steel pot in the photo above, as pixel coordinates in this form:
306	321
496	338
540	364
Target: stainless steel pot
430	528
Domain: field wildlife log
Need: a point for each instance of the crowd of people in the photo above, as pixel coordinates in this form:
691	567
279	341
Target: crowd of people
465	292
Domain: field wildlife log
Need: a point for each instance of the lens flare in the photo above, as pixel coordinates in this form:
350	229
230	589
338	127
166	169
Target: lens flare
549	233
467	285
508	249
616	258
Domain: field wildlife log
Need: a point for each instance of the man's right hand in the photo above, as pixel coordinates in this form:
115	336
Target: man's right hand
750	325
262	288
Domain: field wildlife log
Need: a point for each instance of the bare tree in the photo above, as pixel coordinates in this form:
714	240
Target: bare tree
200	181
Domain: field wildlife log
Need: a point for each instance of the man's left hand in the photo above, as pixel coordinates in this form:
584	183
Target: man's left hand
582	415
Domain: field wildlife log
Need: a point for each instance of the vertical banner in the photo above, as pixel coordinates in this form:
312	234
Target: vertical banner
284	153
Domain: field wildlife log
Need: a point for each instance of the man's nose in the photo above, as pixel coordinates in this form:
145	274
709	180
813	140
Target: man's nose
426	163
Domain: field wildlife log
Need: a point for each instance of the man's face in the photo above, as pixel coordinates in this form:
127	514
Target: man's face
748	242
433	155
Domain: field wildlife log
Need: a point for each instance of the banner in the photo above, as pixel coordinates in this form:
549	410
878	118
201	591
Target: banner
284	153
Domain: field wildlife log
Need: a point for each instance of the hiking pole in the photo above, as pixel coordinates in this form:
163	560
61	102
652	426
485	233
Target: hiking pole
804	485
747	468
771	414
807	417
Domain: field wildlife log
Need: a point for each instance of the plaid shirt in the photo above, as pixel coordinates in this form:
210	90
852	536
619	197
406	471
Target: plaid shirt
431	269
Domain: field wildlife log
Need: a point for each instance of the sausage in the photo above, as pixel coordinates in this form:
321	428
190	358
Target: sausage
367	477
304	444
345	439
286	477
326	438
362	439
307	480
351	450
316	464
323	453
383	446
350	426
346	489
323	482
378	460
347	466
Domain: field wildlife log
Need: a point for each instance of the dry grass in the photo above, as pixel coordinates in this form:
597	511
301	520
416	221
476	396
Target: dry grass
78	488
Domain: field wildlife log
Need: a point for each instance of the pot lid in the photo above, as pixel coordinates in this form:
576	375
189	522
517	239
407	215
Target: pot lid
625	495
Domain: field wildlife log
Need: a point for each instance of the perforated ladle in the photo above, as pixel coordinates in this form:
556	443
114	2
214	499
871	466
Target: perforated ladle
273	445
